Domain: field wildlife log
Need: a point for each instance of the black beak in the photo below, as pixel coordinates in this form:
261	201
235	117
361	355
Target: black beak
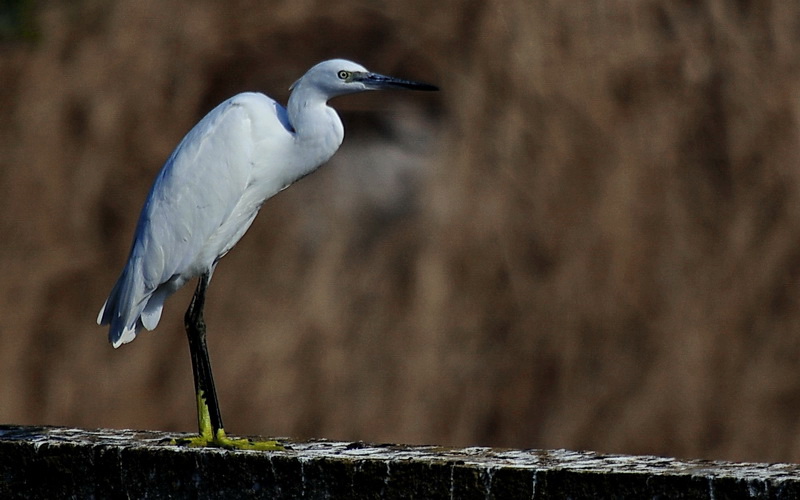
376	81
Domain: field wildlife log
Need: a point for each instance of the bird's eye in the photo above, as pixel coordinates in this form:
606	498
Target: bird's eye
343	75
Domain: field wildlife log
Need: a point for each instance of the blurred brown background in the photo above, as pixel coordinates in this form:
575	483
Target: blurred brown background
590	239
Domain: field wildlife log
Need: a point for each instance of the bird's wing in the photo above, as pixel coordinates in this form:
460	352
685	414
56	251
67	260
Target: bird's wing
195	193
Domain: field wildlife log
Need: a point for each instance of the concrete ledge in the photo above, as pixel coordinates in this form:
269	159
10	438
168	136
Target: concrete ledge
54	462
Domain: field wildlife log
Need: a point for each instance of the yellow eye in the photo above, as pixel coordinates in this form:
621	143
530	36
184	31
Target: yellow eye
343	75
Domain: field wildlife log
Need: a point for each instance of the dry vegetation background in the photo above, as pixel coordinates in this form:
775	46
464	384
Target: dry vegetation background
590	239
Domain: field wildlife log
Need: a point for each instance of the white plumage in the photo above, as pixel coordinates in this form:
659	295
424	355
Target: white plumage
202	202
243	152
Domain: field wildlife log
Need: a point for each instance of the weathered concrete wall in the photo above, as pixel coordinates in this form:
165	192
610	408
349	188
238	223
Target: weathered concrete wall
51	462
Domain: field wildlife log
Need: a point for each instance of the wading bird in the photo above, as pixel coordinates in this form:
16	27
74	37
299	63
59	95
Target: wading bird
207	194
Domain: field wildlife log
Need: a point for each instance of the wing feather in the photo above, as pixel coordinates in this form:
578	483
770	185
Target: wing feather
197	205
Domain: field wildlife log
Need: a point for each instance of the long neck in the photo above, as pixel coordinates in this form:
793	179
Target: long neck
318	129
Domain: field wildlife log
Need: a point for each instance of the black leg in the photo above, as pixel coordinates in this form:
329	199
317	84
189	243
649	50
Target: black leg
208	405
209	419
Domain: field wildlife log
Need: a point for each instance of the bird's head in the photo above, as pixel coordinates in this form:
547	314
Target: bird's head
339	77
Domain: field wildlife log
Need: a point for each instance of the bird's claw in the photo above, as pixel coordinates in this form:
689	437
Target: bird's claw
228	443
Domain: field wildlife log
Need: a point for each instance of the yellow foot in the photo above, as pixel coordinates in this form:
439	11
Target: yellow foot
223	441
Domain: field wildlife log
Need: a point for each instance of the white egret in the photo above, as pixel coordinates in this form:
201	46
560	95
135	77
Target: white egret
207	194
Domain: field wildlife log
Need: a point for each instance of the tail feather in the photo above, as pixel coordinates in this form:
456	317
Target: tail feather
131	305
123	309
155	304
